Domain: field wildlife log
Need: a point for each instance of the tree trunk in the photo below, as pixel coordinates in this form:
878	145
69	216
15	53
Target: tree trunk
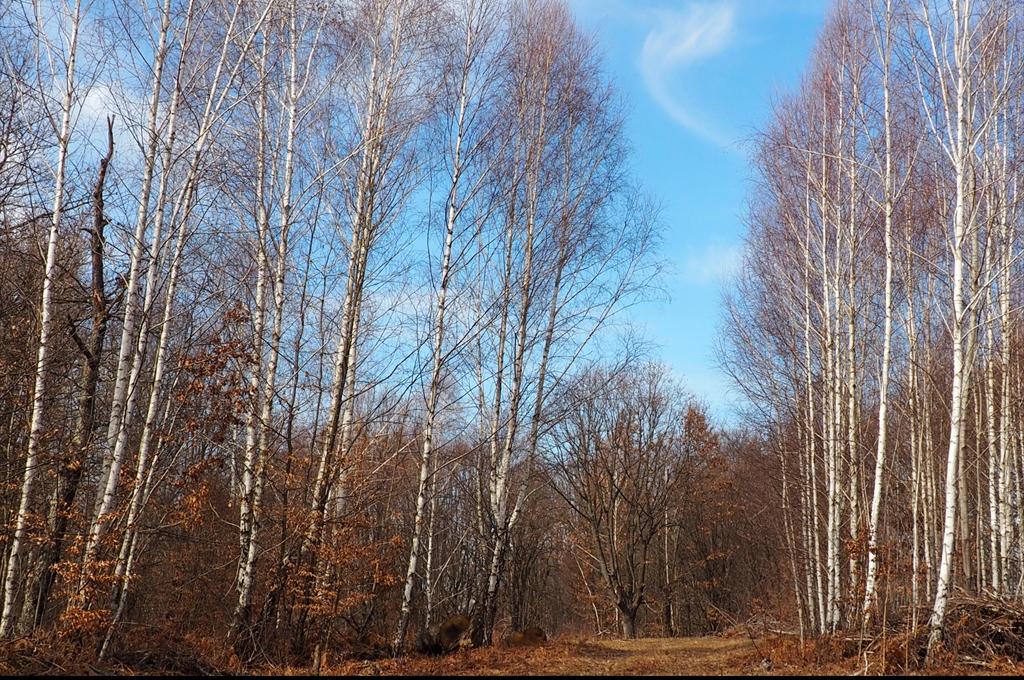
15	556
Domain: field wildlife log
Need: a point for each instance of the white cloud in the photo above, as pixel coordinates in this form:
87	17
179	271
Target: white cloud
100	101
679	40
713	265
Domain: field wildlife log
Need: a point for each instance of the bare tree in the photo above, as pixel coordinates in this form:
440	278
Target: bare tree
621	456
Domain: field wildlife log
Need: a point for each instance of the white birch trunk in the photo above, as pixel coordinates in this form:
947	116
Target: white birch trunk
883	383
148	451
68	98
453	208
137	262
129	369
960	150
252	459
1006	522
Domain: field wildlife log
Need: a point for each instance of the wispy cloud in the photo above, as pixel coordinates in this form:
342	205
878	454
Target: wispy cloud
712	265
680	39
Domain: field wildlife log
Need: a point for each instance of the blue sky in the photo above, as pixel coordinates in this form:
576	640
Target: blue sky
700	77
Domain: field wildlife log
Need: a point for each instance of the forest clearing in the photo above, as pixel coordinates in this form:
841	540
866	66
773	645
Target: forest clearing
318	350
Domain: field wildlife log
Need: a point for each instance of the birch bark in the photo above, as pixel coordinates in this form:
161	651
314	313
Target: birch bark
476	19
70	92
885	54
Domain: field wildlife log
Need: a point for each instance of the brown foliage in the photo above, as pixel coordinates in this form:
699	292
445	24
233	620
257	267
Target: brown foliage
983	637
531	637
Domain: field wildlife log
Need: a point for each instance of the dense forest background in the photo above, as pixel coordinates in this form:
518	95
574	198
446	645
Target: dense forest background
316	332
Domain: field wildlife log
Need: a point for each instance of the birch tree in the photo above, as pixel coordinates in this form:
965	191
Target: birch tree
298	33
171	205
59	53
467	126
386	103
954	38
569	247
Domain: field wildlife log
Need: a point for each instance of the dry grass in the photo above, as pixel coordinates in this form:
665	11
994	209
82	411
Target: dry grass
902	654
579	656
50	655
735	654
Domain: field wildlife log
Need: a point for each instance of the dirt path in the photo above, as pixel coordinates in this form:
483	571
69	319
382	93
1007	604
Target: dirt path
651	656
672	656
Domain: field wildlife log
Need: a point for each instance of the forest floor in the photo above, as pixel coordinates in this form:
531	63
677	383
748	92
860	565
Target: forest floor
650	656
733	654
